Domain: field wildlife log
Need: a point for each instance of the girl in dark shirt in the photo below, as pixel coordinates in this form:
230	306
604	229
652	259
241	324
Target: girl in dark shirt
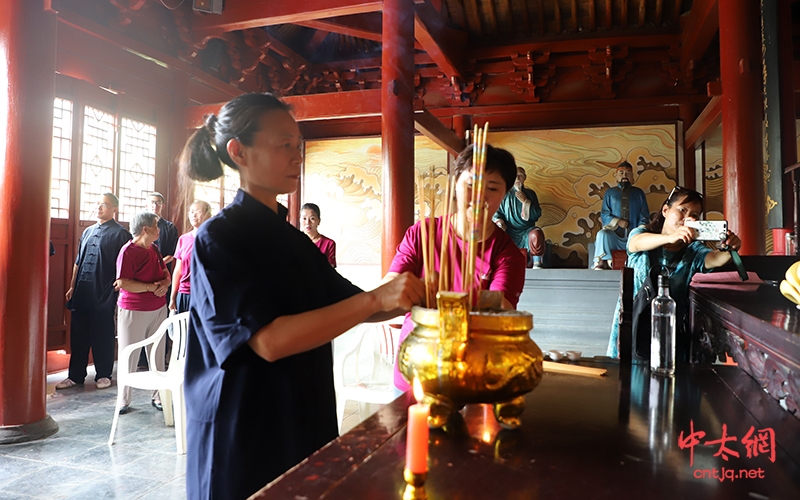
265	306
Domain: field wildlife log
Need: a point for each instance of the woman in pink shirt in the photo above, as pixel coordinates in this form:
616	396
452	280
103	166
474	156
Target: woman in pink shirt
500	266
199	212
309	220
142	281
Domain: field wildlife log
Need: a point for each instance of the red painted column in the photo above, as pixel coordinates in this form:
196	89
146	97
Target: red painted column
27	64
742	110
788	123
397	124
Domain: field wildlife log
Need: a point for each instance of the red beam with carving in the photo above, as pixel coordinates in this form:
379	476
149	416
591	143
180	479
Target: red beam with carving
435	130
328	106
244	14
702	25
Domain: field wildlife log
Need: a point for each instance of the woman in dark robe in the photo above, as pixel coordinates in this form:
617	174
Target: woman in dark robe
265	306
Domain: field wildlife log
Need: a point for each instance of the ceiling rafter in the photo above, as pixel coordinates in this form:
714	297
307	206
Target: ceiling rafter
444	45
574	20
491	17
642	13
245	14
542	21
557	16
592	15
702	25
609	14
659	15
624	14
676	12
473	16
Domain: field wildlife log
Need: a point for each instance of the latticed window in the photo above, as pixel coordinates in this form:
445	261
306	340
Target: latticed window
62	159
97	160
219	192
137	167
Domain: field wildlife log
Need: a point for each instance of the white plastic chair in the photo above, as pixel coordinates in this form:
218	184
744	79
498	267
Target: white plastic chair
169	383
377	385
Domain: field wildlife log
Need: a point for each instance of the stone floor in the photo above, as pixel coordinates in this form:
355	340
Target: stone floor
77	463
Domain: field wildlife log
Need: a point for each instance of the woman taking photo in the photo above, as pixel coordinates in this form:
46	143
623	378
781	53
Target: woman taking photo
499	265
142	281
265	306
679	255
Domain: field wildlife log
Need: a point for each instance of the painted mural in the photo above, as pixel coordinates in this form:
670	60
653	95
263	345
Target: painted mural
714	183
569	170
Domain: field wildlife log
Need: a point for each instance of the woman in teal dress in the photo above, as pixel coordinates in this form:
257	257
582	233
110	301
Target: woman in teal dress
680	256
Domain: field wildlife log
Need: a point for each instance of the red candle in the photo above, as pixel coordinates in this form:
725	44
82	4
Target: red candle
417	433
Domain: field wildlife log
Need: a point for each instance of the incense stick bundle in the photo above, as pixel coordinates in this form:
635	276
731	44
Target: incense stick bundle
426	261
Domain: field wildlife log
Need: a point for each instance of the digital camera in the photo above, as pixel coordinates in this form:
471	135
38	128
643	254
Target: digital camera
709	230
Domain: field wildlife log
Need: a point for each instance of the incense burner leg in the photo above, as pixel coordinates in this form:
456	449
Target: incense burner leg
508	413
441	409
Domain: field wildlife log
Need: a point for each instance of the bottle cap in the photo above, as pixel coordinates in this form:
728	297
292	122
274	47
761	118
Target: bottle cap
663	281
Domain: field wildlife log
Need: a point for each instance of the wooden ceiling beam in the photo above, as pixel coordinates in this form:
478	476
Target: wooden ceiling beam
702	25
581	44
366	26
705	124
432	128
311	107
580	106
592	16
245	14
609	14
443	44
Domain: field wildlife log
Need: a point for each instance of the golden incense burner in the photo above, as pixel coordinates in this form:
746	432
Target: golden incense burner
464	357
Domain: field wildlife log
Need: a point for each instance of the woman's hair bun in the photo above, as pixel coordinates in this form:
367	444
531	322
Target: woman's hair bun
210	122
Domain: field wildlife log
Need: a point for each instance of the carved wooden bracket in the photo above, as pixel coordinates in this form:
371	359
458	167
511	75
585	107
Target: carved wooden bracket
682	80
532	78
462	94
608	71
184	27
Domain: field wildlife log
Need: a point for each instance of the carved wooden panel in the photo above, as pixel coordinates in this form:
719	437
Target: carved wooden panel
767	351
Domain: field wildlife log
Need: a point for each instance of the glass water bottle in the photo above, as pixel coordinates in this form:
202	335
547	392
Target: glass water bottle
662	339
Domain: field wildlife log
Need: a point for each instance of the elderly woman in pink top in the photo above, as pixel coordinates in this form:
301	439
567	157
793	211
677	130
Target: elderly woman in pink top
199	212
142	281
500	267
309	221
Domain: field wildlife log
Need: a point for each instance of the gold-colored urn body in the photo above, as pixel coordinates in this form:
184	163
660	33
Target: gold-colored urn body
463	357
